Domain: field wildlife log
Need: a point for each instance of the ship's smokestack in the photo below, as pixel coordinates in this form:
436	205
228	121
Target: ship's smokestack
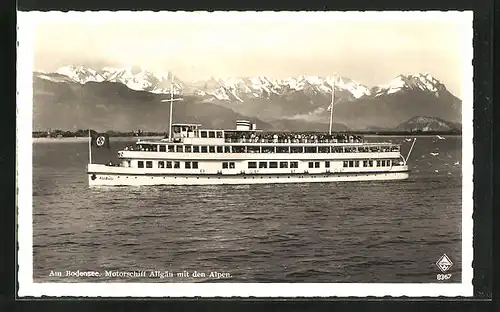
243	125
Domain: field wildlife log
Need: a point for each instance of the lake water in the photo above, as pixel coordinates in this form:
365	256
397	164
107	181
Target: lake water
387	232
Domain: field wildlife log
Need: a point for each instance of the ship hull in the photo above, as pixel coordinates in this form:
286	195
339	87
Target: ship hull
123	179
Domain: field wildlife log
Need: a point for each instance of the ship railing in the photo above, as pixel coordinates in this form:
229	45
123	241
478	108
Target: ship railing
292	138
300	141
270	149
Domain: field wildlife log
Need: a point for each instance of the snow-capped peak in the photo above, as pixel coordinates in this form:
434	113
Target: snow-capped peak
133	77
80	73
424	82
243	88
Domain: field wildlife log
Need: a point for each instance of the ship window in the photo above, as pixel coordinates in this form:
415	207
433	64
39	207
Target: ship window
219	134
163	148
388	162
395	148
262	164
187	149
179	149
253	149
337	149
231	165
365	163
283	164
238	149
282	149
378	163
169	164
211	149
383	163
316	164
140	164
267	149
211	134
345	163
273	164
149	164
187	165
203	149
195	165
356	163
327	164
296	149
154	148
225	165
177	164
324	149
203	134
374	149
220	149
252	165
227	149
351	163
311	164
171	148
370	163
196	149
161	164
294	164
311	149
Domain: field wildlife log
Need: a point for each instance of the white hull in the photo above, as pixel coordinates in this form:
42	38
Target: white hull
137	180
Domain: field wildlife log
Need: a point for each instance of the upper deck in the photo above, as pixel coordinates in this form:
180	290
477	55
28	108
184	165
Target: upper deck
246	133
189	138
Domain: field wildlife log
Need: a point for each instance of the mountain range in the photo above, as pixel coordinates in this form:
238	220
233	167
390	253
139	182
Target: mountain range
74	96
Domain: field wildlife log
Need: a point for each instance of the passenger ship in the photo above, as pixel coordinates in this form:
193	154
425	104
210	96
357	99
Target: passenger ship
192	155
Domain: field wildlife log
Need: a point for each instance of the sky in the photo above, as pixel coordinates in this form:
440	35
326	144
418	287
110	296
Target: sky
371	48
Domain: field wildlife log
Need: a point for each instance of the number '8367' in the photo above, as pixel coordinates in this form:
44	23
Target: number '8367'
443	277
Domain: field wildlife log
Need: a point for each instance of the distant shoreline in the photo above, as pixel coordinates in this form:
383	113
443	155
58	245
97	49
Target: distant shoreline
134	138
85	139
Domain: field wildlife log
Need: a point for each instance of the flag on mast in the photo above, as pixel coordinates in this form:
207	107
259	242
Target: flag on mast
330	107
99	139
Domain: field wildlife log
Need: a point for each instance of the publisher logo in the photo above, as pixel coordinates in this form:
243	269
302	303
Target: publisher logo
444	263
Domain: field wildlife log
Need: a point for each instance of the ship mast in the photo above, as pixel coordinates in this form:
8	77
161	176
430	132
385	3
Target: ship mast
331	108
171	103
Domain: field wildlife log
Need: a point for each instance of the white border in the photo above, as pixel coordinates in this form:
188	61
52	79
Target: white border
27	22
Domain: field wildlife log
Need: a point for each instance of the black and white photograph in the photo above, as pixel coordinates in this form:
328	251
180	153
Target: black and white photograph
263	154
